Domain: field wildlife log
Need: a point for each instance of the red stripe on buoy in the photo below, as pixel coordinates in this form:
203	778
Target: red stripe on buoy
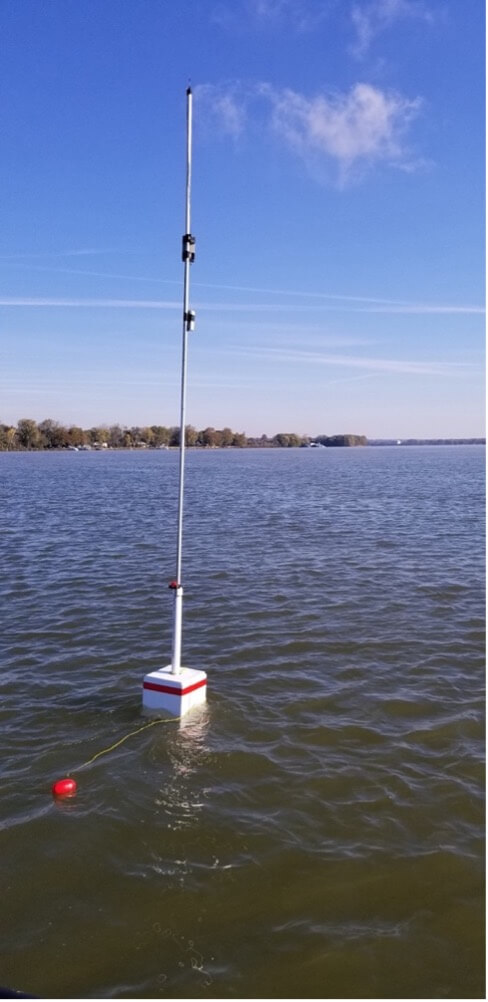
171	690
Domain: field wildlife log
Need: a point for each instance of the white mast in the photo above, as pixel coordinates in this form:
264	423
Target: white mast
188	256
174	689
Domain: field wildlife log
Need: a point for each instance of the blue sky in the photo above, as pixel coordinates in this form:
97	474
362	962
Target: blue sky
338	206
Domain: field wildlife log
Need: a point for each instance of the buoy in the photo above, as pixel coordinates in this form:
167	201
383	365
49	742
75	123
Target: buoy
64	787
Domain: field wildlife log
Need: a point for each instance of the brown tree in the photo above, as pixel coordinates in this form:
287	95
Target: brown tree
28	435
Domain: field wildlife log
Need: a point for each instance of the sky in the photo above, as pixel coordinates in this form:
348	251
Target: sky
337	204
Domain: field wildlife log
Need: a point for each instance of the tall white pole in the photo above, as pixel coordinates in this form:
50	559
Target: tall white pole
188	256
174	689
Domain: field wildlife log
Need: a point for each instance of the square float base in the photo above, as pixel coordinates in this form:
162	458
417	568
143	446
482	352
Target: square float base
163	692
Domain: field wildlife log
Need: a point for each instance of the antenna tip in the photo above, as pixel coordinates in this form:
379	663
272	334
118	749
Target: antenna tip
188	89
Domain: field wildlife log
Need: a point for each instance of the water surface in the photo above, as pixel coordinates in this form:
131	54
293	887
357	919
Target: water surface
316	831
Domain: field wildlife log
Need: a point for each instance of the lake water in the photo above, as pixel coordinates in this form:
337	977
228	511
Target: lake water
316	831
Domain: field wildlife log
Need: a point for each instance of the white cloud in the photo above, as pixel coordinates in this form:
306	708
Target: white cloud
283	307
370	19
360	127
222	107
404	366
147	304
301	15
372	304
82	252
337	135
425	308
304	15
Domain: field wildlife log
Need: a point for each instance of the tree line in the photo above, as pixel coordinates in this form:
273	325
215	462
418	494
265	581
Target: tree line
49	434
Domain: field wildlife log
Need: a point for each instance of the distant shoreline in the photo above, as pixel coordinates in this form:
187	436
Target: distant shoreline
32	436
426	441
234	448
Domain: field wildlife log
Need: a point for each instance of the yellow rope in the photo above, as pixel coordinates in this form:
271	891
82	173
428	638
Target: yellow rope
105	751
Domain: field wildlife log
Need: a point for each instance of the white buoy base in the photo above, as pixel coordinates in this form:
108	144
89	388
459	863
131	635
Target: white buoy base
163	692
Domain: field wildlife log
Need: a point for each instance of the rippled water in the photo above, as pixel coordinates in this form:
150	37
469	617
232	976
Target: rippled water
316	830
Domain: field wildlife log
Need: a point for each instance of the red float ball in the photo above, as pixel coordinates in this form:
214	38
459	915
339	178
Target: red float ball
64	787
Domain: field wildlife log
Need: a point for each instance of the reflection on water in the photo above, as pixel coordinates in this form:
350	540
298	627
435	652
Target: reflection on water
316	829
179	796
